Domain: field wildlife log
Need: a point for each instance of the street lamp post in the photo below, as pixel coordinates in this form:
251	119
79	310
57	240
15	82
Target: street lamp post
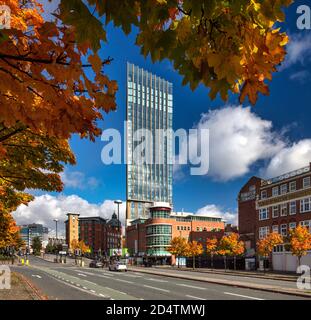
56	221
118	202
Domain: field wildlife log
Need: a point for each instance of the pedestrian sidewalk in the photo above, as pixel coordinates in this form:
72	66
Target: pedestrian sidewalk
256	274
275	287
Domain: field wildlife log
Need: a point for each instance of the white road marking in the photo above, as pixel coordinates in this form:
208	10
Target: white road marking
36	276
157	280
95	284
102	295
82	275
242	296
130	275
193	297
116	291
93	291
155	288
189	286
126	281
85	288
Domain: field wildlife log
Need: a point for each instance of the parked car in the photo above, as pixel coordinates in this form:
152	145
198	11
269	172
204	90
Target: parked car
95	264
117	266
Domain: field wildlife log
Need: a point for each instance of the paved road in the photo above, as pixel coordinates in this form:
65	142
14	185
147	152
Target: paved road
230	277
69	282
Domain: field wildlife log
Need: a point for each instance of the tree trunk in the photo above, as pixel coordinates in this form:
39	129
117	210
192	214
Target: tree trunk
234	260
299	261
193	262
212	261
177	261
225	260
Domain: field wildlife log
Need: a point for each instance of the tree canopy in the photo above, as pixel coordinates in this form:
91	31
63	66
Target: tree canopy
227	45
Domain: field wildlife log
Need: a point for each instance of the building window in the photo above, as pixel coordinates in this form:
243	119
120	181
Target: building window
292	186
263	214
275	211
306	224
283	188
177	227
275	191
305	205
292	207
263	232
284	210
189	229
292	225
284	229
306	182
264	194
275	229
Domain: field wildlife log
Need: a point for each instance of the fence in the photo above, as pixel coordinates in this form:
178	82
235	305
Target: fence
218	262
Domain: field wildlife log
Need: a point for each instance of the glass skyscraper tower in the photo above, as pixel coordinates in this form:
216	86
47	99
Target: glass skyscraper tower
150	107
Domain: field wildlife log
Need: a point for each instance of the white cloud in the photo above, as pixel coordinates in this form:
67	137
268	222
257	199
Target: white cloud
78	180
45	208
298	50
290	158
212	210
238	138
300	76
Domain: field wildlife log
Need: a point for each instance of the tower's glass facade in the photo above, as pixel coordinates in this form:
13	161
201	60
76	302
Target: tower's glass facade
149	106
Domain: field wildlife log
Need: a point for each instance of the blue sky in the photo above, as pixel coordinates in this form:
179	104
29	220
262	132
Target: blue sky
272	136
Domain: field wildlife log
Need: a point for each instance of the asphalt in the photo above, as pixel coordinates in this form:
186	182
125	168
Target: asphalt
63	282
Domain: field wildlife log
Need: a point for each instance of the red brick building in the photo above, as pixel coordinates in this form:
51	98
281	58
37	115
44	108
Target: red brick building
151	236
202	236
98	233
275	205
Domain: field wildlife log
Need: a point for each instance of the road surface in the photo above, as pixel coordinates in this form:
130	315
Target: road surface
67	282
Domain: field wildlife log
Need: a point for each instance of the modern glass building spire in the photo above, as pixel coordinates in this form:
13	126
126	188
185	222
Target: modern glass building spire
149	106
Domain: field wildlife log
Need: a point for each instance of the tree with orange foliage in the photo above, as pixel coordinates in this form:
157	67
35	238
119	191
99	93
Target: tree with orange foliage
300	242
211	249
231	246
178	247
193	249
46	95
44	84
265	246
81	246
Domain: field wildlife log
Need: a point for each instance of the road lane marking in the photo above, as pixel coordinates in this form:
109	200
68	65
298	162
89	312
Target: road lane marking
93	291
193	297
85	288
157	280
95	284
189	286
116	291
81	274
126	281
242	296
36	276
155	288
